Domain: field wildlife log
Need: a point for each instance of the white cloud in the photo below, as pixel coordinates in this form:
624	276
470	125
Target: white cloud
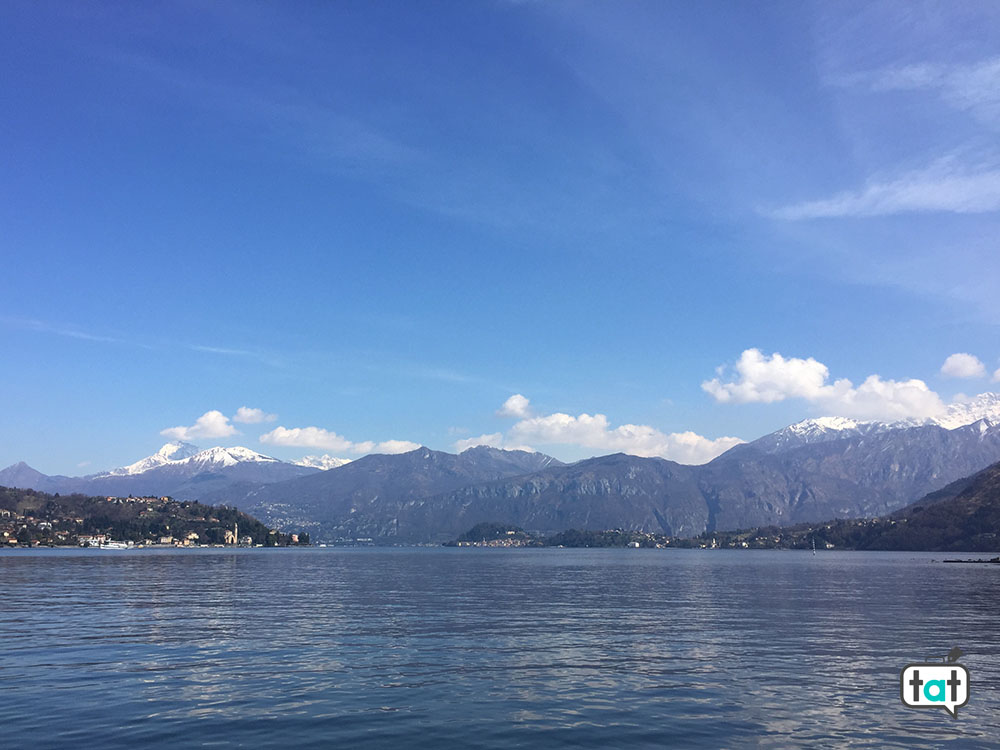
516	406
307	437
962	365
493	440
767	379
884	399
317	437
943	186
211	424
246	415
395	446
596	433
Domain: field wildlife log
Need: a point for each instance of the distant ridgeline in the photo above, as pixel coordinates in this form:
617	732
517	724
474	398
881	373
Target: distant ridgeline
28	517
964	516
797	477
806	473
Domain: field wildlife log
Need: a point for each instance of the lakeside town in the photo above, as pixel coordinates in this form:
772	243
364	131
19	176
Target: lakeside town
35	519
29	518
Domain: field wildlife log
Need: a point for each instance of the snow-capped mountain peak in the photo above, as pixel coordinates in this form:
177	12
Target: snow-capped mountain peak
324	462
984	406
175	451
227	457
170	453
817	430
186	454
822	425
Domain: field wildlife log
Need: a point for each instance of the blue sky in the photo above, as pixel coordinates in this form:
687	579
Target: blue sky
665	226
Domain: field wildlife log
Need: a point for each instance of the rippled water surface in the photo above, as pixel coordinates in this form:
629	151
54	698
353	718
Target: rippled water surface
487	648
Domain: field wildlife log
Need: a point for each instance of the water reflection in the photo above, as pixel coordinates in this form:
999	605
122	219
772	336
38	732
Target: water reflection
487	648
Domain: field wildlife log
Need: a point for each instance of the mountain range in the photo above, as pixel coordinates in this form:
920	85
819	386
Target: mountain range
178	469
817	469
962	516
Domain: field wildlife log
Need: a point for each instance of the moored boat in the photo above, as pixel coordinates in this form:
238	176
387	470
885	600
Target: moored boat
117	545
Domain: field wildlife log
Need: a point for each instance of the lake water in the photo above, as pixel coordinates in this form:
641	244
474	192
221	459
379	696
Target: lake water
481	648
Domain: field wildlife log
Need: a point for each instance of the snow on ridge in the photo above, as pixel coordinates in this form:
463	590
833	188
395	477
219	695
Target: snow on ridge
172	452
829	428
823	424
824	429
227	457
985	406
184	454
324	462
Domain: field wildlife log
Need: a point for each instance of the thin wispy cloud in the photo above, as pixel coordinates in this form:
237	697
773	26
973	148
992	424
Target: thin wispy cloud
971	87
444	374
429	371
41	326
945	186
966	181
330	141
222	350
312	129
325	136
152	343
267	358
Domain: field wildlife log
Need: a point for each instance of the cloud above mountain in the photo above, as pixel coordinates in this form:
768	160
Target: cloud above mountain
317	437
760	378
516	406
596	433
491	439
212	424
962	365
246	415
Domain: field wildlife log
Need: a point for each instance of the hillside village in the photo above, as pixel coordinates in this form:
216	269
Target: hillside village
31	519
